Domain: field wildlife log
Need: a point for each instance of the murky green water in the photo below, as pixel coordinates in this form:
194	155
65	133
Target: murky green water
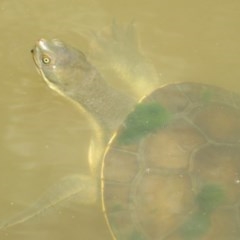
44	137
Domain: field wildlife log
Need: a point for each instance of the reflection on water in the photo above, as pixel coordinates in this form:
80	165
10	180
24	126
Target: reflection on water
45	138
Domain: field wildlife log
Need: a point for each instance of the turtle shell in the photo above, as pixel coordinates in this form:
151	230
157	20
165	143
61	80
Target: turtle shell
172	170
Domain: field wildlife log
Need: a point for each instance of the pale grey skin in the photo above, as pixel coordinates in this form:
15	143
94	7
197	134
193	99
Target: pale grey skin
67	71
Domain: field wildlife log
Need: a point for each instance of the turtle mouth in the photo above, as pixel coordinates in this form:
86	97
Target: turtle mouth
34	53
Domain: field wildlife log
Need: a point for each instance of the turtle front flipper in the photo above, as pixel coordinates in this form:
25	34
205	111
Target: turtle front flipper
117	52
81	186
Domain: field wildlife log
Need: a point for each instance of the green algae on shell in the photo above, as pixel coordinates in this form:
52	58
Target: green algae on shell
146	118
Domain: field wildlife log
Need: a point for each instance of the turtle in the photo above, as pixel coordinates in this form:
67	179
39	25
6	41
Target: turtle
166	166
67	71
172	170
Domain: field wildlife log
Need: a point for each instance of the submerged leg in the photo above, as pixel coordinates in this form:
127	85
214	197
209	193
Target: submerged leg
118	49
84	187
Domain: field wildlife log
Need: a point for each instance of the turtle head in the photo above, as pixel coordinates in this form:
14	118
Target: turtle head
59	64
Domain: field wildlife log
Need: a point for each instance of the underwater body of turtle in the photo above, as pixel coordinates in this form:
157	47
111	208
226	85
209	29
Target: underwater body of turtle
170	172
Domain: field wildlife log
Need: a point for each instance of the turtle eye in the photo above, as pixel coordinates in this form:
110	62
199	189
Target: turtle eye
46	59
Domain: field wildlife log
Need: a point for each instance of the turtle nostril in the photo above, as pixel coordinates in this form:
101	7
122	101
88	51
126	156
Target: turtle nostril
31	50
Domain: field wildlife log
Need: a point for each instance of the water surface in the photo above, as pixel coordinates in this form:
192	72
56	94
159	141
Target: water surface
45	138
